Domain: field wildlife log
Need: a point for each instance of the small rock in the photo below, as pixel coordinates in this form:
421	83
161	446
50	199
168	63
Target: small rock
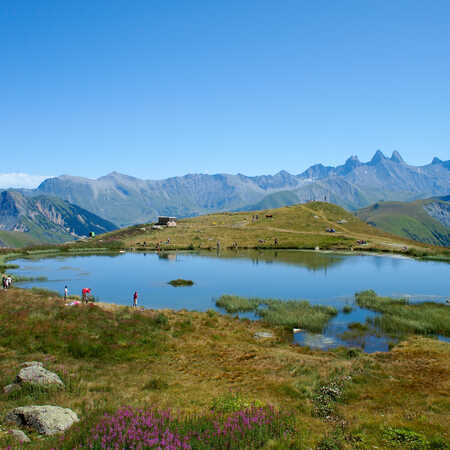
46	419
31	363
20	435
38	375
11	388
263	335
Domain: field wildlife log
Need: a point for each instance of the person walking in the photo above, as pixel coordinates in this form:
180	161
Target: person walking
8	281
135	298
66	292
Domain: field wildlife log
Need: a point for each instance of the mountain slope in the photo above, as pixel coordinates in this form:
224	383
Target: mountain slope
46	219
423	220
17	239
126	200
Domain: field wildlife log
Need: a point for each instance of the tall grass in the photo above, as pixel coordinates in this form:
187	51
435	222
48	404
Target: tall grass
399	317
289	314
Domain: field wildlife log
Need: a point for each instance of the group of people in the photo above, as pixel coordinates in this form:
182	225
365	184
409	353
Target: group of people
6	281
86	291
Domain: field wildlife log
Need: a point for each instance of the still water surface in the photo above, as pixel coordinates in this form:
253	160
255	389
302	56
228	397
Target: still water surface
321	278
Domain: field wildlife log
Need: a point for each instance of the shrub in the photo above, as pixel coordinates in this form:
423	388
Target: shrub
156	384
404	438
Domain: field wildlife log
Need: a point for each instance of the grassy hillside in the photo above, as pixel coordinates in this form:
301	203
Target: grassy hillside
110	357
16	239
300	226
409	219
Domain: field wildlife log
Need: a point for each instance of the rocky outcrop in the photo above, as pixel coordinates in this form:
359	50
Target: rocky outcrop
45	419
439	210
33	373
38	375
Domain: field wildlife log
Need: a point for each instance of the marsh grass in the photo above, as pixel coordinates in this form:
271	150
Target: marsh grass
288	314
399	317
22	279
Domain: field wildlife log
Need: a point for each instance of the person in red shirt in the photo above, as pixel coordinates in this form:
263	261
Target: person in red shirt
84	293
135	297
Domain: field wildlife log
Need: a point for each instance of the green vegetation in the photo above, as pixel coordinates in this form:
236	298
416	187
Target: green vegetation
49	330
232	402
180	282
288	314
399	317
410	220
109	356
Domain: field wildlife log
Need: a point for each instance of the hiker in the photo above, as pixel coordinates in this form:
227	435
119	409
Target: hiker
275	242
4	281
135	297
84	294
8	281
66	293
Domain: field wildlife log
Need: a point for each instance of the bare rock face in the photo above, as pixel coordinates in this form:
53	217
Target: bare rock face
46	419
20	435
36	374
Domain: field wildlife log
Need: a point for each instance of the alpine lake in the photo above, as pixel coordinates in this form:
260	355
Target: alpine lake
322	278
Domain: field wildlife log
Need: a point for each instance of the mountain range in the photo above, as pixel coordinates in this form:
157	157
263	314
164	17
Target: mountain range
125	200
44	219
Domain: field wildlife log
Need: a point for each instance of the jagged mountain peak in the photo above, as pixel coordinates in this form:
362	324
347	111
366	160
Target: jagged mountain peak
378	157
436	160
396	157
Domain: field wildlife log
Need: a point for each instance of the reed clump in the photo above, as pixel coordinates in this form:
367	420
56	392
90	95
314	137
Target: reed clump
399	317
288	314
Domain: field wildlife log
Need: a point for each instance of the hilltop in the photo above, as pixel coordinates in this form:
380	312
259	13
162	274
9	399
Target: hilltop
302	226
126	200
423	220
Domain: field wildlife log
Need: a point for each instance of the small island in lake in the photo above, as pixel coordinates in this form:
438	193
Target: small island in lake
180	282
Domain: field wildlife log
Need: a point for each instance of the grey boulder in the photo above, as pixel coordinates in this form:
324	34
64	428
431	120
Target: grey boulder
46	419
20	435
38	375
11	388
263	335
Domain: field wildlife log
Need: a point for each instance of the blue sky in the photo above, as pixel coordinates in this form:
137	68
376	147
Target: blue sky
157	88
